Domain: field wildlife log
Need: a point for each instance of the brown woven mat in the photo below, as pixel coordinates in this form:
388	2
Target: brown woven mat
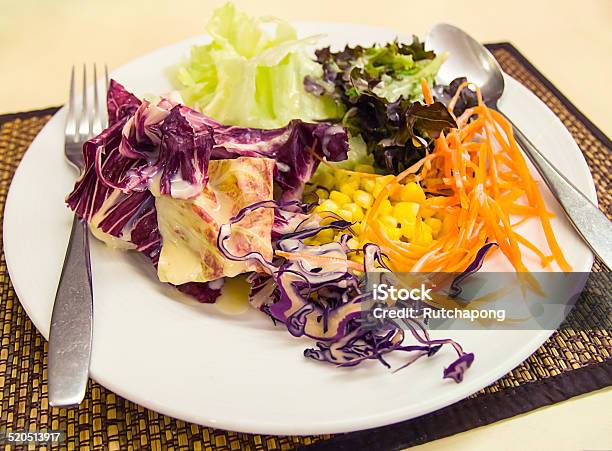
571	362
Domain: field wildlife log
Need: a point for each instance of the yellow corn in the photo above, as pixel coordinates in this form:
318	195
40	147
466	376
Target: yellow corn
350	185
322	193
367	184
339	198
380	183
347	215
352	243
388	221
393	233
348	189
325	236
412	192
339	179
363	199
424	234
405	210
356	257
408	229
435	224
325	179
427	212
396	193
385	207
356	211
327	205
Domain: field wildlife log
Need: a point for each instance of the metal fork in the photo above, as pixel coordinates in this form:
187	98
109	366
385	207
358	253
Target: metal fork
71	322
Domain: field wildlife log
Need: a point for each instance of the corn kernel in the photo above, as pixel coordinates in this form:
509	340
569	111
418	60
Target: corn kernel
367	184
312	241
348	188
393	233
339	179
357	212
408	229
322	193
352	243
326	179
424	234
396	193
427	212
364	168
325	235
339	198
356	257
412	192
327	217
388	221
435	224
385	207
356	227
347	215
380	183
327	205
363	199
351	180
405	210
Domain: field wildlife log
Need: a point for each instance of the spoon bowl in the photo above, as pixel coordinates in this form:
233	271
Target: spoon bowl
466	57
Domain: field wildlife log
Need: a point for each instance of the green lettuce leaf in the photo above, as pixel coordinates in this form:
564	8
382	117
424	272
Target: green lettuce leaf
380	87
408	85
252	73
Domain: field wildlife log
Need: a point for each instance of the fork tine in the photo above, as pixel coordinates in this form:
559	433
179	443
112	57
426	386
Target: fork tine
83	123
95	123
106	86
70	116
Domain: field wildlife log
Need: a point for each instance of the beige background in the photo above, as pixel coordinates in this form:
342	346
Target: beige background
569	41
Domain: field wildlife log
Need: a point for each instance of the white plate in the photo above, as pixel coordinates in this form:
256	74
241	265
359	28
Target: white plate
190	361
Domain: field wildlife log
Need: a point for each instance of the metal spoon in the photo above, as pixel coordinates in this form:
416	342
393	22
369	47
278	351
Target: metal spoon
468	58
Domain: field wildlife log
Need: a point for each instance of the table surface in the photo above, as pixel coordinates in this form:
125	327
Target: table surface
567	40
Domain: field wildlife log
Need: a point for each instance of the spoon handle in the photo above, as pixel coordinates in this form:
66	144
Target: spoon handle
588	220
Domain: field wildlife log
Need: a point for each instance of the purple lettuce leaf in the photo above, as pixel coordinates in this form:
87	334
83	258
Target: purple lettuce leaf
129	216
120	103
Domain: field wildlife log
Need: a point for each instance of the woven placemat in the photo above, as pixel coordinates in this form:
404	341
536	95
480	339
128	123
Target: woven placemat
573	361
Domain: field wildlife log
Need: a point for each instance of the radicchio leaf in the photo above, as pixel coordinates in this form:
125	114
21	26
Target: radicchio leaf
119	102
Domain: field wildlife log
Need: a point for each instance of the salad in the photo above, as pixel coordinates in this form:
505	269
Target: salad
311	172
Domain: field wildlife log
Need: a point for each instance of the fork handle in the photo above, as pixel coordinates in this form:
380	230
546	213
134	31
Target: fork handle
592	225
71	323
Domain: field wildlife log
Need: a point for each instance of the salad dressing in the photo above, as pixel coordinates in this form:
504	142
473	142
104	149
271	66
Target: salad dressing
234	298
94	225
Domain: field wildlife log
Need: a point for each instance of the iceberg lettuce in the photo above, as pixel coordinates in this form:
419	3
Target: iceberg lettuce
252	73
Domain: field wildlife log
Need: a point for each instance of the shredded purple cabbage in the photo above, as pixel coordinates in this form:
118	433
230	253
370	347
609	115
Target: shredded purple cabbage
325	301
455	286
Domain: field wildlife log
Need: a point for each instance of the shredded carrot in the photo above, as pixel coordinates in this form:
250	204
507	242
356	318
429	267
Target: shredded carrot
477	178
426	91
